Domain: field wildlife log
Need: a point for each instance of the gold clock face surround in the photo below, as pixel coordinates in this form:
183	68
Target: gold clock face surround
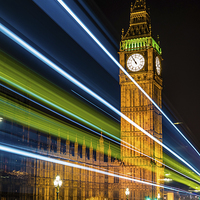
135	62
158	65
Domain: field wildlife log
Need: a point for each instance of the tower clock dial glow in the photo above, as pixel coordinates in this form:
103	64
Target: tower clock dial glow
158	65
135	62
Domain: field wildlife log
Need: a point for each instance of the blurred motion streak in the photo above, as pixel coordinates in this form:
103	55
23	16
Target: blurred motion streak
44	59
43	122
44	158
64	5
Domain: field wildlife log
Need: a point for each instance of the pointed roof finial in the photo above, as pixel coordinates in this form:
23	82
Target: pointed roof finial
101	138
145	6
91	144
131	6
109	150
84	140
150	28
139	5
58	132
122	35
158	39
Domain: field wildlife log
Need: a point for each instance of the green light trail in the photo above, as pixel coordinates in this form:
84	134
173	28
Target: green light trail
179	167
19	77
21	113
28	116
180	179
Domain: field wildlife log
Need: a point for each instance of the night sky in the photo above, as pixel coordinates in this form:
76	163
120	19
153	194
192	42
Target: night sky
177	23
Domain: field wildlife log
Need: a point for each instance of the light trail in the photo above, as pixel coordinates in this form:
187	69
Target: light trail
53	66
181	168
53	160
181	173
17	76
94	105
118	143
174	176
89	129
115	141
48	124
178	178
63	4
65	159
61	109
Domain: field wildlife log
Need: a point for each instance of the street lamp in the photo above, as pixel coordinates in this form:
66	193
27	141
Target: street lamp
127	192
57	184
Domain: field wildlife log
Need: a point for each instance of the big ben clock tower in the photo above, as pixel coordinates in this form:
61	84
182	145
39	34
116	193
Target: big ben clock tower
140	55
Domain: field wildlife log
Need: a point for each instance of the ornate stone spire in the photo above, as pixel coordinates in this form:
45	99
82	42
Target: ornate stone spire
140	23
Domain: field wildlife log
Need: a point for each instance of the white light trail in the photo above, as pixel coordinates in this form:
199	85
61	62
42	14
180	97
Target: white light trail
61	109
53	160
131	148
95	105
44	59
63	4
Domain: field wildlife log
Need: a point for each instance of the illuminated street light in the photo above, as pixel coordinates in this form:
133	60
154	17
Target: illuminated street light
57	184
127	192
1	119
158	196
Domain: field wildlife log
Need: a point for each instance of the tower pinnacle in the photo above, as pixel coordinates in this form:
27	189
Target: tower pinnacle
140	23
139	5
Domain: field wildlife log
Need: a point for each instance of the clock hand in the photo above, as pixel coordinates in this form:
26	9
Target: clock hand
134	60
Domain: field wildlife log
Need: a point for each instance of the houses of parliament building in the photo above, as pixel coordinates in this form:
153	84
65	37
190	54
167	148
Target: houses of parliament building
138	156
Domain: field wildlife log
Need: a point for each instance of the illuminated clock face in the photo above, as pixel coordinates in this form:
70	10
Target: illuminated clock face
158	65
135	62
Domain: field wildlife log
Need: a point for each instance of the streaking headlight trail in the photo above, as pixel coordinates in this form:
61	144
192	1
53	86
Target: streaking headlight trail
53	160
95	105
63	4
44	59
131	148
